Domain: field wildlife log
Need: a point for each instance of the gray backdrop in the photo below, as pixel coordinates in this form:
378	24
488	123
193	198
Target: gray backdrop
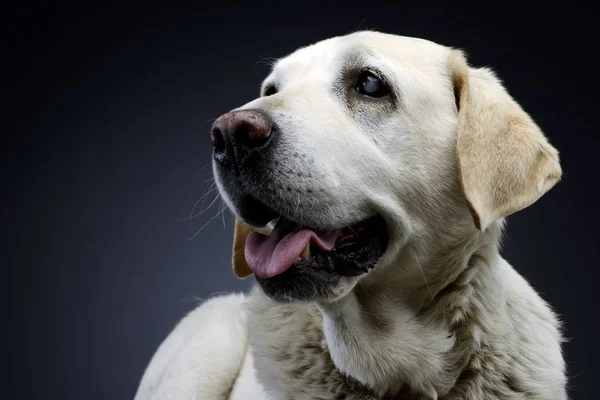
107	149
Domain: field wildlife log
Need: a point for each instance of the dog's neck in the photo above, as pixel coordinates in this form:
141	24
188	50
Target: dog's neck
415	329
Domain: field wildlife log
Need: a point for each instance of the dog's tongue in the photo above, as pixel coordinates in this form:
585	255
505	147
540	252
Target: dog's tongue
273	254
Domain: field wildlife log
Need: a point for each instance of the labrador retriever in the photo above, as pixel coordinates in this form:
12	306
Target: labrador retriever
370	181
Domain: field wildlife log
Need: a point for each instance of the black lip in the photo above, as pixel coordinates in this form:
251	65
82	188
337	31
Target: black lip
253	212
318	275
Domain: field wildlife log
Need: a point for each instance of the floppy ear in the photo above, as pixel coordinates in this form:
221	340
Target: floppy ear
505	162
240	266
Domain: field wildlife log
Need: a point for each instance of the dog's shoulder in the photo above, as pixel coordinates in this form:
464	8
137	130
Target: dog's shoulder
538	365
515	346
204	354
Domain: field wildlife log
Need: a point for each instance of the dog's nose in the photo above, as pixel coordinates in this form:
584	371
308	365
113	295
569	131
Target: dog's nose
237	134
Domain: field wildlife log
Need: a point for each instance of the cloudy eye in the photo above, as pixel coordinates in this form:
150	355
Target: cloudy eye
270	90
370	85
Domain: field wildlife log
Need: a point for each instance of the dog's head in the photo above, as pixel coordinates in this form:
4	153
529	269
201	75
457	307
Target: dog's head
361	143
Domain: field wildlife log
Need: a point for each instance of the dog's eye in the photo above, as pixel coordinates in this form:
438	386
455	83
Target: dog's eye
370	85
270	90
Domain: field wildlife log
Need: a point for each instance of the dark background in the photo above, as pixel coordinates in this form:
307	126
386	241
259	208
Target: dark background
106	149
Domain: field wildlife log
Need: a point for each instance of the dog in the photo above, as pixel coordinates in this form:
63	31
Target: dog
370	183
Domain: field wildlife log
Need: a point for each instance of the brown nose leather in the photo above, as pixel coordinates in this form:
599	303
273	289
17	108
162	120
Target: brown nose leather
237	133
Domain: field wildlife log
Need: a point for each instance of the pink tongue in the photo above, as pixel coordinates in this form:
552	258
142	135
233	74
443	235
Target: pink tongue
270	255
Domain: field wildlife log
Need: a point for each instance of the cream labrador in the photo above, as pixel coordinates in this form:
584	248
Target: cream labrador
370	181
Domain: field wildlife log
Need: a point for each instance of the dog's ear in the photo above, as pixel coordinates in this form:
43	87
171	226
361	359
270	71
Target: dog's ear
240	266
505	162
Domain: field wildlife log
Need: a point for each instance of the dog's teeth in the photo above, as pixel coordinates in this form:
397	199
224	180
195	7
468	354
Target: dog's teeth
305	255
267	229
272	223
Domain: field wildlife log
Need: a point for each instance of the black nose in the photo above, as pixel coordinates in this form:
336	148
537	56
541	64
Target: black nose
237	134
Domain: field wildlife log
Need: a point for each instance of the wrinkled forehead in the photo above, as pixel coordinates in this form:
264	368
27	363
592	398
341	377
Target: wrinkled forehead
392	53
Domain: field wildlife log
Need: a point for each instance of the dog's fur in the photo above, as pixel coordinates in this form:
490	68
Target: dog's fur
442	315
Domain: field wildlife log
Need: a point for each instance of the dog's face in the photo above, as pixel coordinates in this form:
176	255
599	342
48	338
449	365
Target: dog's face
352	150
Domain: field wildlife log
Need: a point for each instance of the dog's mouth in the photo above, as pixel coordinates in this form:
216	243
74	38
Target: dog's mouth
291	249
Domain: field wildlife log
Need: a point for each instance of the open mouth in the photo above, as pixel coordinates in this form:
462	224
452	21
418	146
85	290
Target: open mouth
291	249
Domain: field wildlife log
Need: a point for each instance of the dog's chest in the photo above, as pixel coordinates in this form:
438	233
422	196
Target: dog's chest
291	357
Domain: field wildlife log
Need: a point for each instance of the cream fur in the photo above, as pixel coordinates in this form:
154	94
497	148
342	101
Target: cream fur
442	315
200	360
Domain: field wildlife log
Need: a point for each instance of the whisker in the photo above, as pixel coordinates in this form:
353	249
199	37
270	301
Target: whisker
204	167
207	208
211	179
422	274
359	25
212	188
223	215
206	224
192	216
210	120
265	61
297	205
